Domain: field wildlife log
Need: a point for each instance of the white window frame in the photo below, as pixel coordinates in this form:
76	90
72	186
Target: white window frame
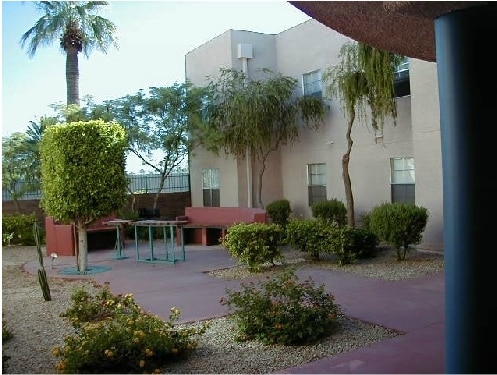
312	83
316	177
210	182
402	173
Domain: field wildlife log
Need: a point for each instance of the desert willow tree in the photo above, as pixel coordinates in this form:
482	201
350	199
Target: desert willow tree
256	117
78	27
363	81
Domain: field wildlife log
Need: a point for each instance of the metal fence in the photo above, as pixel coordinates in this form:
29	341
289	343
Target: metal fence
138	184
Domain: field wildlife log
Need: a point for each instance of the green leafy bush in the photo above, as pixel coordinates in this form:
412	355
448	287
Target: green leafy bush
312	236
17	229
398	224
6	332
282	311
317	236
254	244
114	335
332	210
350	244
279	211
6	336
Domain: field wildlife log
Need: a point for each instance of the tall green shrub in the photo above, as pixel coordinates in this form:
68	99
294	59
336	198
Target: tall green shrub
398	224
83	175
279	211
332	210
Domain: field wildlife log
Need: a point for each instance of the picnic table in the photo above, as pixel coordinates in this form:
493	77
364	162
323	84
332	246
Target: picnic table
171	246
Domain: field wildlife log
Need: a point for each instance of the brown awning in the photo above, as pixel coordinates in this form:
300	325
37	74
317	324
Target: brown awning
403	27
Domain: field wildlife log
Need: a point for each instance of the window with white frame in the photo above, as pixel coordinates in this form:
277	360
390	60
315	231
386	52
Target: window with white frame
204	109
316	182
402	86
402	180
403	66
312	83
210	187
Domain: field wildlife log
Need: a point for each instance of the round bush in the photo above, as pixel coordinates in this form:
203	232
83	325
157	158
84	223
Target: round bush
279	211
332	210
282	310
398	224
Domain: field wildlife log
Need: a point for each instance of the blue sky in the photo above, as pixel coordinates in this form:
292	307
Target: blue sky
153	37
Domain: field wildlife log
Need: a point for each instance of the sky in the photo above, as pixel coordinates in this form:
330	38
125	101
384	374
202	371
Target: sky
153	38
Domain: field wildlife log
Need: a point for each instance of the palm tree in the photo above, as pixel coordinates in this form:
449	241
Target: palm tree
79	29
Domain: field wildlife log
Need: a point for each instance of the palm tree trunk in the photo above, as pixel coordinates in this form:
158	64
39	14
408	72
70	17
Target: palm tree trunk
72	76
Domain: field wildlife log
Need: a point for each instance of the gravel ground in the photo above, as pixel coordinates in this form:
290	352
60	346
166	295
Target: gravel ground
37	327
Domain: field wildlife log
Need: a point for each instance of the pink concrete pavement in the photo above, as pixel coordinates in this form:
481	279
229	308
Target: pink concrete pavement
414	307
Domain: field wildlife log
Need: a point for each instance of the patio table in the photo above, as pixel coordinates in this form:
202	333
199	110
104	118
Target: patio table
120	238
170	246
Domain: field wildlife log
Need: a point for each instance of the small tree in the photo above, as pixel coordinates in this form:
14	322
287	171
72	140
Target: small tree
83	175
363	79
160	121
254	118
19	161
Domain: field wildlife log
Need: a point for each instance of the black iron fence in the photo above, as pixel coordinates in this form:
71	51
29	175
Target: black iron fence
138	184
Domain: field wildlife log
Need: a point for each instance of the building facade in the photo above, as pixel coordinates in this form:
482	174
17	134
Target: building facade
399	163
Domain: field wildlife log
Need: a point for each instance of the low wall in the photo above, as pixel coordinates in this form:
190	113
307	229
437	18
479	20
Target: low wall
170	205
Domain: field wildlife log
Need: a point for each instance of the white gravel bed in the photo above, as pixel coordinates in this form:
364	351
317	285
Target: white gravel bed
37	327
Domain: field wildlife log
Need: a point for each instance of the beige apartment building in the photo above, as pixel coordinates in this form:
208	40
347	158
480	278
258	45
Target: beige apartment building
401	163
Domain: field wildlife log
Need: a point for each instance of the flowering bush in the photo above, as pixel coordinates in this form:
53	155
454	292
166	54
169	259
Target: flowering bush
114	335
282	311
254	244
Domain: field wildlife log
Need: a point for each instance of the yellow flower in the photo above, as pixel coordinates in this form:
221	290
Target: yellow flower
60	366
109	353
157	371
174	350
149	352
142	363
136	340
56	351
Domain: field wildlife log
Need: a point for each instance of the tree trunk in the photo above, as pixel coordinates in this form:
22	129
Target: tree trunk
82	253
161	186
346	176
17	204
259	191
72	76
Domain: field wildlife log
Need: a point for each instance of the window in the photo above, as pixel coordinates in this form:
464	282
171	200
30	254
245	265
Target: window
316	182
403	66
204	110
210	187
402	180
402	86
311	82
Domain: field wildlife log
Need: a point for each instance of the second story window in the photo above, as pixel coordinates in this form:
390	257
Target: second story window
312	83
402	85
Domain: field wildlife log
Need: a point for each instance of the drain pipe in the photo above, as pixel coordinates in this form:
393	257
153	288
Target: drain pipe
245	53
